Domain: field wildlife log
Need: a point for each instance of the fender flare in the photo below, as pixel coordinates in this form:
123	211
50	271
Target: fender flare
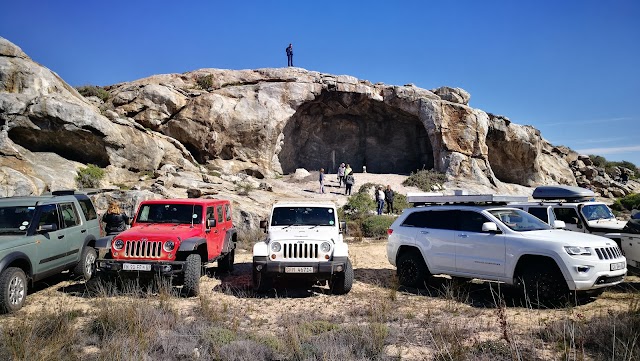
104	242
229	245
88	240
14	257
191	244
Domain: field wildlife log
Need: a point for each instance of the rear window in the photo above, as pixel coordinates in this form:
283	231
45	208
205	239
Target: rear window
432	219
540	213
87	208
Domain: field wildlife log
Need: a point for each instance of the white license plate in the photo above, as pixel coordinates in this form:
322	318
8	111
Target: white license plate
298	270
617	266
136	267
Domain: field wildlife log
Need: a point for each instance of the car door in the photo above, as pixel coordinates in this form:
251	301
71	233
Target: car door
436	238
478	252
570	217
74	231
215	237
52	248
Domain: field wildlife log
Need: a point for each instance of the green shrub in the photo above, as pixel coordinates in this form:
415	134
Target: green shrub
358	206
90	176
205	81
376	226
608	166
425	179
95	91
629	202
400	203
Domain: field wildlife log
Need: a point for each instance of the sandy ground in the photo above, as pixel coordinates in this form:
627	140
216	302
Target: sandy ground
416	318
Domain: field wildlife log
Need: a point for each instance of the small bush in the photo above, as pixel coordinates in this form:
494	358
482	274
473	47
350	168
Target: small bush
425	179
376	226
90	176
93	91
400	203
629	202
243	189
205	81
359	205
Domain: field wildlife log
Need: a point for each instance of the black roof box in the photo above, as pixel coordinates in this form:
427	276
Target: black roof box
562	192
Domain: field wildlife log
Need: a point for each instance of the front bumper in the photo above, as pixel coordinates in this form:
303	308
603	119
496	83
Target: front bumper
320	269
165	268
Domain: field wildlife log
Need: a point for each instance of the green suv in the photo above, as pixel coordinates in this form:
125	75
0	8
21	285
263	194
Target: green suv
41	236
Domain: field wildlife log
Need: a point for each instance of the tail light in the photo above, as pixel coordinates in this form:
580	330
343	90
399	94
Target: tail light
389	231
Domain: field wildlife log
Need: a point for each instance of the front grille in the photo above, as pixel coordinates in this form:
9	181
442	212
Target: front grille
143	249
608	252
300	250
605	280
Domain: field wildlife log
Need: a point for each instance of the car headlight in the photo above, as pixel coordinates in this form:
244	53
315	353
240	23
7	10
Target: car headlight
276	246
325	247
578	251
118	244
169	246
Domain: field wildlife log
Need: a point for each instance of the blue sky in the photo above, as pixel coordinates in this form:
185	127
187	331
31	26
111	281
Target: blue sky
569	68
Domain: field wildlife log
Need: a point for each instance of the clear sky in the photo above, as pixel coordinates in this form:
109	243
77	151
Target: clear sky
569	68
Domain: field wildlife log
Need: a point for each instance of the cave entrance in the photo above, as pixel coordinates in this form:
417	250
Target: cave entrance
511	161
352	128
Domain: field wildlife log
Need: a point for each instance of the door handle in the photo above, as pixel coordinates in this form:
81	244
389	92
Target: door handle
83	231
61	236
463	235
424	232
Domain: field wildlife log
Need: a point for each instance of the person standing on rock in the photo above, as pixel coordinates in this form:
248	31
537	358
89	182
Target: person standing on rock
341	175
115	220
321	179
380	199
389	194
348	183
290	55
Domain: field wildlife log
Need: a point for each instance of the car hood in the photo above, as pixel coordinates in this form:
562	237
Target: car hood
304	233
609	224
160	230
569	238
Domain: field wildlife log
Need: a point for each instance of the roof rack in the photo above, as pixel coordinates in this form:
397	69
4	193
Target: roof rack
460	197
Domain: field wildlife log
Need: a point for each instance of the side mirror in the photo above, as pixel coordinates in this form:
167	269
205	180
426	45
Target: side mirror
211	222
559	224
47	228
343	227
489	227
263	225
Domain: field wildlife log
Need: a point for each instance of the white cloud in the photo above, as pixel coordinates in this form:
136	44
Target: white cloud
609	150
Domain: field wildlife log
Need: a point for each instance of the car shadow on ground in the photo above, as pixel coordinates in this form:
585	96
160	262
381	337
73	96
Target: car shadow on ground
475	293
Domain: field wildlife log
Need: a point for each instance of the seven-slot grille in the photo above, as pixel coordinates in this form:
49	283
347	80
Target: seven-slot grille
143	249
300	250
608	252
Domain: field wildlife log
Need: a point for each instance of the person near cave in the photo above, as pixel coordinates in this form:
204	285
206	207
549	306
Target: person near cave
380	199
389	194
348	183
321	179
341	175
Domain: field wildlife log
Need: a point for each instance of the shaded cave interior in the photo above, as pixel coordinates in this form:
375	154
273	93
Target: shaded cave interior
511	161
351	128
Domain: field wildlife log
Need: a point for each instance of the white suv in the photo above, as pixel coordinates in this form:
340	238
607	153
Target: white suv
498	243
304	242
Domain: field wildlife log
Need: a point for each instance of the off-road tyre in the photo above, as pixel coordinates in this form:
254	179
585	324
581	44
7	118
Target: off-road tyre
412	271
192	274
225	264
261	282
544	285
13	289
342	282
86	267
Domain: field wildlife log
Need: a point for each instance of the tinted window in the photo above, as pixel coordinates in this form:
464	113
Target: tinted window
414	219
519	220
432	219
311	216
540	213
15	219
220	214
210	214
69	216
227	211
471	221
49	215
568	215
87	208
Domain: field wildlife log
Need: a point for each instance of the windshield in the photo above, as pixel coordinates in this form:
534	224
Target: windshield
16	220
303	216
593	212
170	213
519	220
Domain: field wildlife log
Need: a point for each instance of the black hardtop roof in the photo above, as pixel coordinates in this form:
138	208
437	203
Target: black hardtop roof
562	192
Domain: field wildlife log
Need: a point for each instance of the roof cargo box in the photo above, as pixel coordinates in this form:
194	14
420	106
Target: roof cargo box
562	192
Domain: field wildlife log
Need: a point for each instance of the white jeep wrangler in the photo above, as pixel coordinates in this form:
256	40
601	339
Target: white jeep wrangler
477	236
304	243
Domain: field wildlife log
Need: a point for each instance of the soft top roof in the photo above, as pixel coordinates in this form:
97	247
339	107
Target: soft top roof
199	201
562	192
306	203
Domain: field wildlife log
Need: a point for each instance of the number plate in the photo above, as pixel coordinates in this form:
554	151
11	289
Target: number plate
617	266
298	269
136	267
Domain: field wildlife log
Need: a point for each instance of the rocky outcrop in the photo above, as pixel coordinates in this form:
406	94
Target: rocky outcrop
610	183
260	123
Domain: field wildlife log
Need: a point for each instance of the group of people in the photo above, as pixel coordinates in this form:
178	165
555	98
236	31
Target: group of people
385	196
345	175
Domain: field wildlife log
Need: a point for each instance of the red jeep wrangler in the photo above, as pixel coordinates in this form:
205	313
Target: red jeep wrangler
173	237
